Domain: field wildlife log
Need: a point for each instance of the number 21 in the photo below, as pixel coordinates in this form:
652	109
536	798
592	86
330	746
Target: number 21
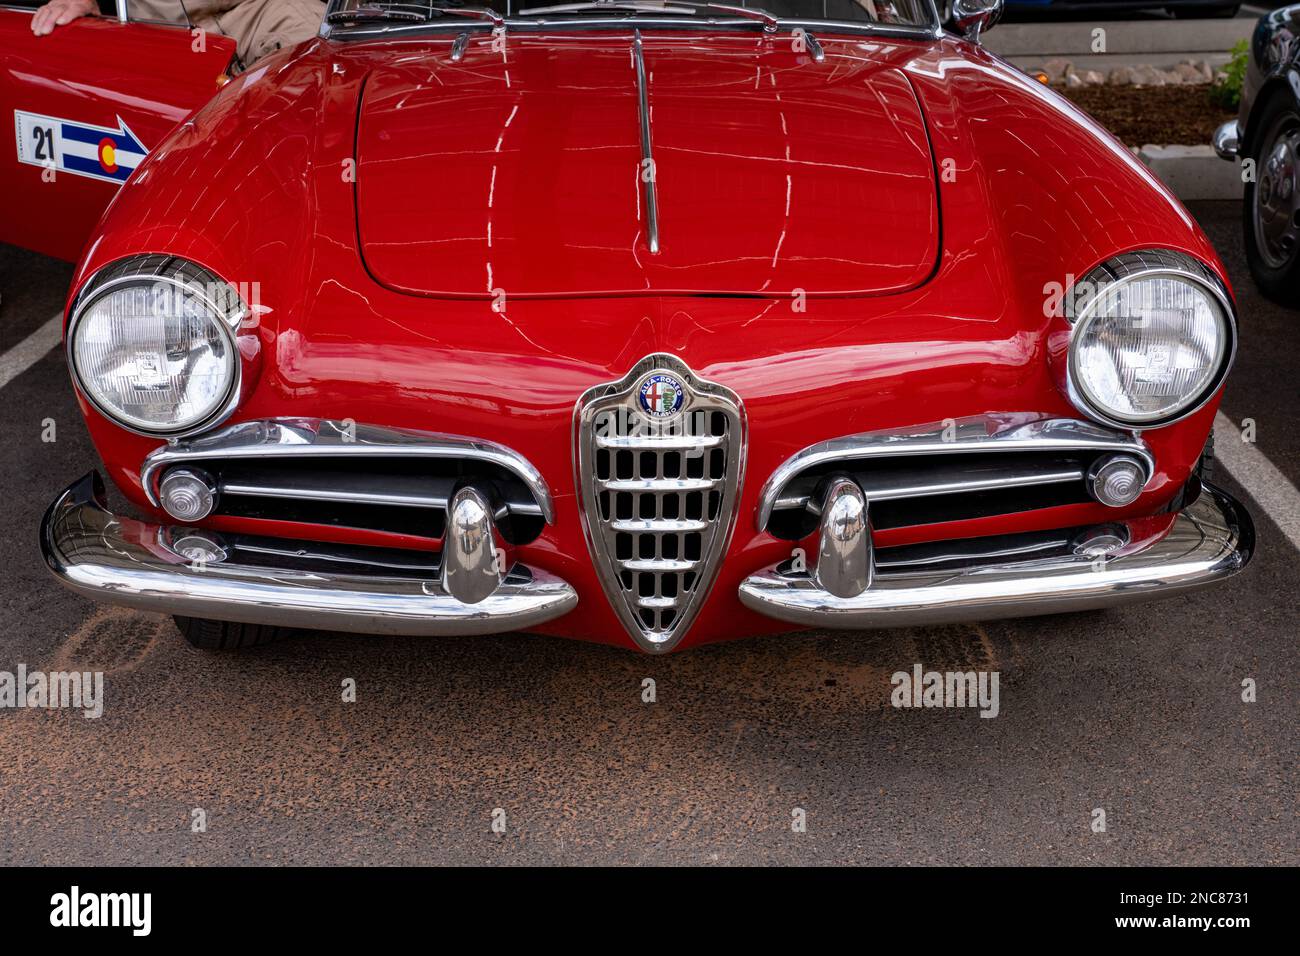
44	142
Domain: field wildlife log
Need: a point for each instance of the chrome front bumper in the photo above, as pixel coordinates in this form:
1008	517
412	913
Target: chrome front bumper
1227	140
259	580
1210	540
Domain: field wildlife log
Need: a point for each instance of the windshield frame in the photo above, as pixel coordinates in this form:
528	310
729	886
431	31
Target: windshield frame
620	19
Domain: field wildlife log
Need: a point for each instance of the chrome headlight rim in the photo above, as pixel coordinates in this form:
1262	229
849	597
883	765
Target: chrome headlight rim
189	279
1128	268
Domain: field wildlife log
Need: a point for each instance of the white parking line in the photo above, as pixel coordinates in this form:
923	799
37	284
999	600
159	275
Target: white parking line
30	350
1274	494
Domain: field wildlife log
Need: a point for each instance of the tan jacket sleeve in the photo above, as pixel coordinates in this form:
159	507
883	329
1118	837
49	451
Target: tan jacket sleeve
258	27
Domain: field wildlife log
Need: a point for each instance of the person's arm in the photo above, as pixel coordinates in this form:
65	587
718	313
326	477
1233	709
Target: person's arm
56	13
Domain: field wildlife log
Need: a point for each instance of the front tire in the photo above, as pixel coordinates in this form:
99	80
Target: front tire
209	635
1271	202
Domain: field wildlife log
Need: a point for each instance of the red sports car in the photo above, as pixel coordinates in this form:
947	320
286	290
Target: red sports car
649	322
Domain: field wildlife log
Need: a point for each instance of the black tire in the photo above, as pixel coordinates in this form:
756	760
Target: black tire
208	635
1206	12
1279	281
1205	465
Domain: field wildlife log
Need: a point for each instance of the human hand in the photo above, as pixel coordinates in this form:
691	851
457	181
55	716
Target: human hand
56	13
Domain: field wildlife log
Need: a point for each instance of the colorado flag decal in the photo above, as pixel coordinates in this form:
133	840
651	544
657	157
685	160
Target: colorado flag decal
79	148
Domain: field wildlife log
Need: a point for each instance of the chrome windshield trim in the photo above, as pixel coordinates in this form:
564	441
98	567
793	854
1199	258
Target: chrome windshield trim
398	31
976	434
292	437
625	6
647	150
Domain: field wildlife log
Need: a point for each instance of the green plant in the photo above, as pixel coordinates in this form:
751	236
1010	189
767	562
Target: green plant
1226	90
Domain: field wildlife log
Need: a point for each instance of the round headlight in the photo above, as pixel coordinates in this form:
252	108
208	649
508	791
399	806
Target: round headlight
154	348
1151	341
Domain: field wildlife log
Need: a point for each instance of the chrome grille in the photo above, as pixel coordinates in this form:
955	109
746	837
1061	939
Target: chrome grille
347	474
658	494
947	471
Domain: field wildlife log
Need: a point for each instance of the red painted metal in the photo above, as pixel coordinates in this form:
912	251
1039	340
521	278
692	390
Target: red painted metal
93	71
1030	192
763	163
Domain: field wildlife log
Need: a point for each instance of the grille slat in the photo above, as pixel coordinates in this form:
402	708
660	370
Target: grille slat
659	525
661	484
658	494
661	443
657	564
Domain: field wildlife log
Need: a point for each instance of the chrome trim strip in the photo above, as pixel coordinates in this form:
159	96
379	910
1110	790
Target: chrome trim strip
397	31
1129	267
289	492
974	435
647	150
881	491
486	14
436	497
315	437
1211	540
613	407
123	561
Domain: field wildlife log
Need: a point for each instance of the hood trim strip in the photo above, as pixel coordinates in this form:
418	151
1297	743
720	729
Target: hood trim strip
647	148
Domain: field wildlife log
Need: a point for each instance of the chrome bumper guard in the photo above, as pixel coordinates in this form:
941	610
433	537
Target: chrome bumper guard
260	580
1227	140
1099	567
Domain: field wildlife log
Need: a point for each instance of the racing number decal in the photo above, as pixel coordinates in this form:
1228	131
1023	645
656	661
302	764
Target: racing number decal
97	152
44	143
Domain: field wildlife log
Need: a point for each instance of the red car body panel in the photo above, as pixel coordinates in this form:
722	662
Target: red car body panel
1030	192
765	163
98	72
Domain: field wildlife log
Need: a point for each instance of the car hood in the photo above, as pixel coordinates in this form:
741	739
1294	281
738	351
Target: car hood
518	172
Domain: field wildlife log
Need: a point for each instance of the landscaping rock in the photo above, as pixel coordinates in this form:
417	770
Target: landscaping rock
1148	76
1121	76
1057	69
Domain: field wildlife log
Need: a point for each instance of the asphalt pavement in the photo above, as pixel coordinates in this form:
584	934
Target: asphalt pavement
1136	712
